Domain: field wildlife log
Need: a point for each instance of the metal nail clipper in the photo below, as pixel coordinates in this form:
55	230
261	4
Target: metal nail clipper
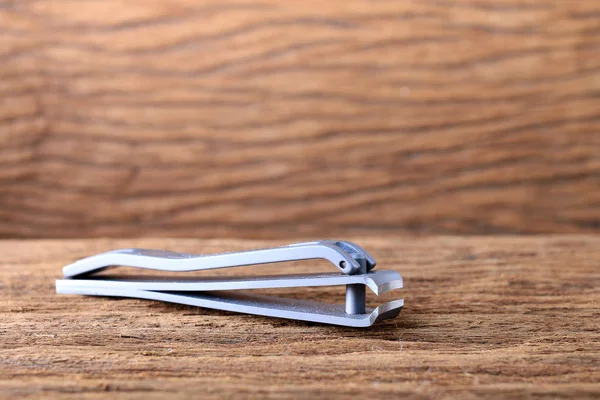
223	293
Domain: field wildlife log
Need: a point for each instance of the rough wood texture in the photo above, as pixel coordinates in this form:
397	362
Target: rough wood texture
484	317
272	118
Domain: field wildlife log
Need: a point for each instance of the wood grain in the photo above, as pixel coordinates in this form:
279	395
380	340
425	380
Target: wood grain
275	119
485	317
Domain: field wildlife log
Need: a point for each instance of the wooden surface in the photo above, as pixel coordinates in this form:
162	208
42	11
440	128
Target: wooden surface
484	317
275	119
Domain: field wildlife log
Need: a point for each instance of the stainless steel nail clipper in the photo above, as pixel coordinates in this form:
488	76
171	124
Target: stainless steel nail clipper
223	293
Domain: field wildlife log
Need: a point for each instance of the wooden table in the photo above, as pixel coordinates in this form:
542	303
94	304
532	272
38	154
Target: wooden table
484	316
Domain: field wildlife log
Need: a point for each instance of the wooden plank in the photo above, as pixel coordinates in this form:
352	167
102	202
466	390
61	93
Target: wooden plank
273	119
484	317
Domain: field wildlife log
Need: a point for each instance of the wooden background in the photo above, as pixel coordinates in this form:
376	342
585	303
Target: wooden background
268	118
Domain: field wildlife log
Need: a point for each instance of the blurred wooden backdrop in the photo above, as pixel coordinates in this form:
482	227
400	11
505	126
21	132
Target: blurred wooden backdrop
269	118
